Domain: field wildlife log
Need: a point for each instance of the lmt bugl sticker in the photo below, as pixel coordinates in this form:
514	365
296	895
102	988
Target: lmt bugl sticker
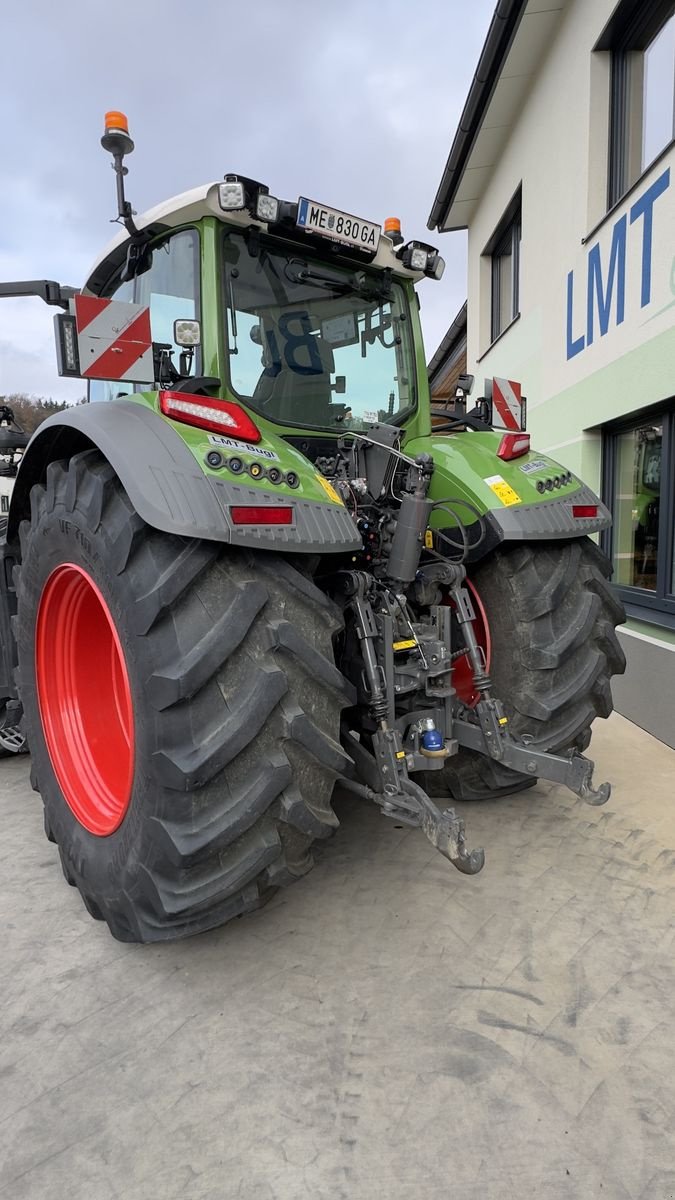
242	447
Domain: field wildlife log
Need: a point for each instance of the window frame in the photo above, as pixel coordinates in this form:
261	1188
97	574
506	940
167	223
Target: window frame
658	607
508	232
631	30
114	282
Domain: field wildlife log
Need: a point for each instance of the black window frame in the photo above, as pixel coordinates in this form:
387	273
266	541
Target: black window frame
507	236
632	28
656	608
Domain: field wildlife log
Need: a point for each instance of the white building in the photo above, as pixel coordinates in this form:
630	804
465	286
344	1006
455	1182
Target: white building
563	171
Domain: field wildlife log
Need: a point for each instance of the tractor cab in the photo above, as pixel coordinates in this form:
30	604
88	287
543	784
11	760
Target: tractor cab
303	313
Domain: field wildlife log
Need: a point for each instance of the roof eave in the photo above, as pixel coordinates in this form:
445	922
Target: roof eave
500	35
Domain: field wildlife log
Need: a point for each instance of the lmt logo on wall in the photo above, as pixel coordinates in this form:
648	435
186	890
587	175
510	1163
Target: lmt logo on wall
599	293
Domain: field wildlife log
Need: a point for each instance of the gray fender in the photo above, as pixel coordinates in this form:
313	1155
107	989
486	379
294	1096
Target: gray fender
166	485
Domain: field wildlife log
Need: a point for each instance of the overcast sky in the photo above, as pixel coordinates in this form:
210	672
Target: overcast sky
353	103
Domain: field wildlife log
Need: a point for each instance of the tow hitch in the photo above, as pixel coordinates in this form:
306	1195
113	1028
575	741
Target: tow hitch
412	806
407	802
400	744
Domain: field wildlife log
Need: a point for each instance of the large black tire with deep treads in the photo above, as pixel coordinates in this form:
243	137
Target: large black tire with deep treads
552	617
236	709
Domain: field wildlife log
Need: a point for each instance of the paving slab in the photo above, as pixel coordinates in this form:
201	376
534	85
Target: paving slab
387	1028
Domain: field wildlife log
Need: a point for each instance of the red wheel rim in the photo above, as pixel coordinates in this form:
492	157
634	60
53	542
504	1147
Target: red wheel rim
462	671
85	699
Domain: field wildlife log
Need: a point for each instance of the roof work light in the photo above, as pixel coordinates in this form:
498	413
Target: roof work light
417	256
238	193
231	194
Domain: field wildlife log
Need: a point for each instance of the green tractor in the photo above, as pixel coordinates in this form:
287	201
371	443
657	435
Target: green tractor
257	572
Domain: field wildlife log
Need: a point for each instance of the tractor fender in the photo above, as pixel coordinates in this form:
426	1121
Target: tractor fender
168	488
505	493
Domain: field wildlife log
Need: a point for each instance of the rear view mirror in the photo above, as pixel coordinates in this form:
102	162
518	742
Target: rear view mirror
340	385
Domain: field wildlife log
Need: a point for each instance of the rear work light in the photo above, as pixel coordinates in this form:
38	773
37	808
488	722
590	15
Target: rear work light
584	510
513	445
218	416
262	514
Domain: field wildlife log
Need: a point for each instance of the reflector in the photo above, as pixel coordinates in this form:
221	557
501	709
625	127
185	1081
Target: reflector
584	510
262	514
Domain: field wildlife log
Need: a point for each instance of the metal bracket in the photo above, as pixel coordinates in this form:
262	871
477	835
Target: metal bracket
45	289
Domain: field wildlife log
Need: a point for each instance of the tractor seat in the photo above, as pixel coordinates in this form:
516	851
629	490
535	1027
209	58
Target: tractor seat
299	393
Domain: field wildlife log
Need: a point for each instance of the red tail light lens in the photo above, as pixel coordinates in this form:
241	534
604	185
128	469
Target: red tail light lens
262	514
513	445
584	510
218	416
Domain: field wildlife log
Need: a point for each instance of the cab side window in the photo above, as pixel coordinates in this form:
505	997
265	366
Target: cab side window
170	288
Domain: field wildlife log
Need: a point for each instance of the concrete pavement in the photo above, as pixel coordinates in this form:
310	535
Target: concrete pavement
385	1029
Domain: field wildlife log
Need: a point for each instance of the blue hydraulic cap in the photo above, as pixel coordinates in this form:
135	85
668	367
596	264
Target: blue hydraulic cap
432	739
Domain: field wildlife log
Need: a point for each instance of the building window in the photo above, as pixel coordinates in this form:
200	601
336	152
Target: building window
503	250
641	37
639	482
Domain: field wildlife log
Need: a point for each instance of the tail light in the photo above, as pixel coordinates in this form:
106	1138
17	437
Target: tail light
262	514
513	445
218	416
584	510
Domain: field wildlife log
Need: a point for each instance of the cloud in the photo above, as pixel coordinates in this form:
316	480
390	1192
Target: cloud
353	104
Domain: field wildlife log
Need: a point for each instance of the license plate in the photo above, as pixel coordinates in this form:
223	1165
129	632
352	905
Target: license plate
340	226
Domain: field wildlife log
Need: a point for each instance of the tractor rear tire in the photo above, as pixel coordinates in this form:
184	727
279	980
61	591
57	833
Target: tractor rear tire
552	617
182	707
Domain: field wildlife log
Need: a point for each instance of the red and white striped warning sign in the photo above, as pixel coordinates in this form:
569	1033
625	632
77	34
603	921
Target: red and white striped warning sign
114	339
507	404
